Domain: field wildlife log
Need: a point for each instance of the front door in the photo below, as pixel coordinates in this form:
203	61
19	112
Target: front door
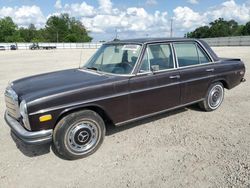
156	87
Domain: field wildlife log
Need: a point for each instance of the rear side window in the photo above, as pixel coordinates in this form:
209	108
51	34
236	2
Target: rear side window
186	54
190	54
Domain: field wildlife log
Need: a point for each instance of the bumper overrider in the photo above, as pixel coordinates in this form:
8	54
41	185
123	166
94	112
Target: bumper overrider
28	137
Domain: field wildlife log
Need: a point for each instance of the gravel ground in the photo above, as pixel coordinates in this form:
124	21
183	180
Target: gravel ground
182	148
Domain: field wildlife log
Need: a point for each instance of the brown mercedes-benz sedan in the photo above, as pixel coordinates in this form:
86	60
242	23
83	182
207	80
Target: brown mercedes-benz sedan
124	81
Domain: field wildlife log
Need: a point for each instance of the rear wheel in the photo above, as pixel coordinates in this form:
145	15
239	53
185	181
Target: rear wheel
79	134
214	97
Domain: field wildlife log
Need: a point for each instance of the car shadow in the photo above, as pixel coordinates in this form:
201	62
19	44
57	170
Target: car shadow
112	129
38	150
30	150
195	107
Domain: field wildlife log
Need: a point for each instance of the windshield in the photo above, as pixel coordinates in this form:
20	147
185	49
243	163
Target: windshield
115	58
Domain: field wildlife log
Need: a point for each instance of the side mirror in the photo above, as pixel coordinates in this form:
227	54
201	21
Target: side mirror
155	68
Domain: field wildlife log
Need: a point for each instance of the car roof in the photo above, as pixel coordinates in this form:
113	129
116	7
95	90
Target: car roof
155	40
151	40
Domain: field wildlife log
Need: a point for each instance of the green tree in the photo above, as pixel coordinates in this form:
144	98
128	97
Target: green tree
40	36
77	32
218	28
65	29
31	34
15	37
8	30
28	33
201	32
57	27
246	29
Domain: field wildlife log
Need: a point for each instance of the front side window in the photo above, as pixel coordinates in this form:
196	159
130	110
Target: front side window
115	58
157	57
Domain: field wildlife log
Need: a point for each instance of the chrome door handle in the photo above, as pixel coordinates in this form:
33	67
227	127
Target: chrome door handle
209	70
174	77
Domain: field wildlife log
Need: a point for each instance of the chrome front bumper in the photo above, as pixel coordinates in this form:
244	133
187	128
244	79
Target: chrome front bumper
28	137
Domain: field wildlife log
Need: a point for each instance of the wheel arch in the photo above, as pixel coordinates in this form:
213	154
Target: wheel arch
223	81
96	108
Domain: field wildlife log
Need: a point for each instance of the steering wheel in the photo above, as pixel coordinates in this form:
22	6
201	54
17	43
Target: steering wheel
127	65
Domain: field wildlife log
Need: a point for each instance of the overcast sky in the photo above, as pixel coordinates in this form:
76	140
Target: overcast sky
131	18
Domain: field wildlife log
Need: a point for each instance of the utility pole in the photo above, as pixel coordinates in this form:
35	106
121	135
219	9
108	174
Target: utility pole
116	33
171	28
57	36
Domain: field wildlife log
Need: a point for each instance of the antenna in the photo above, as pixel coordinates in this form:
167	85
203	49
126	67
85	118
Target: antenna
80	59
116	33
171	28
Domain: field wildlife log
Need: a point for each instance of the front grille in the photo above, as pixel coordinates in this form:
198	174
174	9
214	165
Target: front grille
11	101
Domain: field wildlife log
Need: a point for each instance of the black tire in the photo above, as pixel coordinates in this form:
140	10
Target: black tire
214	97
79	134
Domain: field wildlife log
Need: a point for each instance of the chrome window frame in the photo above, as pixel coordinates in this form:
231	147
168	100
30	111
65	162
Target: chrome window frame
136	69
197	44
204	53
132	73
159	71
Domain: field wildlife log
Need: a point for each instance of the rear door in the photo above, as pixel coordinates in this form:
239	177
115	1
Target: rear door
196	71
156	87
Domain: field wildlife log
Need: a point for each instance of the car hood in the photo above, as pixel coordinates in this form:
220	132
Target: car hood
33	87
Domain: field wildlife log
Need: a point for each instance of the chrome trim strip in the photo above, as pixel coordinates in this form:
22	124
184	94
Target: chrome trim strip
173	56
197	65
89	71
155	113
196	79
36	137
121	42
152	88
77	103
99	99
112	74
101	73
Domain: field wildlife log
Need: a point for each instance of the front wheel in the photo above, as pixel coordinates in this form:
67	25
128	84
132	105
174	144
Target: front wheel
79	134
214	97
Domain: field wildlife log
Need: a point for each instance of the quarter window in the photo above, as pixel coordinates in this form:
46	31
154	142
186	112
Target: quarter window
157	57
203	57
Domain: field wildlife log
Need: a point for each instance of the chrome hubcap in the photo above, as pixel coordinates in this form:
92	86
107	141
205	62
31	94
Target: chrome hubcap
83	137
215	96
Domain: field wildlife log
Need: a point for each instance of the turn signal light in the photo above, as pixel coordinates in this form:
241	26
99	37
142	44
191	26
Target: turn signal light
45	118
